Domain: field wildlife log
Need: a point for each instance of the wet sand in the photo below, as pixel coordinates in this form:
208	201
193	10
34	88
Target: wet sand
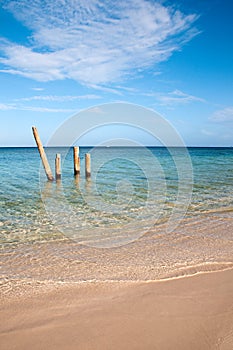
193	312
163	291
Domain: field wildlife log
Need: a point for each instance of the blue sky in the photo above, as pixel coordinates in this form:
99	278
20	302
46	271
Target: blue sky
59	57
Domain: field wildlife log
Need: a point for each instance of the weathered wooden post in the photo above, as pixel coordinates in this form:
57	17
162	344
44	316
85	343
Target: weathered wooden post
88	165
42	155
77	181
58	166
76	160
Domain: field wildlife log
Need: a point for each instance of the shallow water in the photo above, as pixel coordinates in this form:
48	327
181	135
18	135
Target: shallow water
131	204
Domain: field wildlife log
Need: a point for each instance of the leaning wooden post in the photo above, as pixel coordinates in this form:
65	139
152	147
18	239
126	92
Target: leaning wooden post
42	155
76	160
88	165
58	166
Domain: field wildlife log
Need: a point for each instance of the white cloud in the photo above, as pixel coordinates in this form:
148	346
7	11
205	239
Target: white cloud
93	42
97	110
44	109
54	98
223	115
37	89
105	89
7	107
207	132
128	89
177	97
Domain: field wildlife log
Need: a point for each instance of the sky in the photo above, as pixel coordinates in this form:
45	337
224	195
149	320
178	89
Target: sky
64	56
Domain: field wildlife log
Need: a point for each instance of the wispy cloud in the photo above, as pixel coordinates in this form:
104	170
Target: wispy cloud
94	42
223	115
127	89
8	107
97	110
54	98
45	109
207	132
105	89
176	97
38	89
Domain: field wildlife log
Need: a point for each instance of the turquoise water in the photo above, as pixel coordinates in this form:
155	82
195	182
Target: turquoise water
130	189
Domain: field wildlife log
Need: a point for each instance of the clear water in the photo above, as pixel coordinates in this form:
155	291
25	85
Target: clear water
124	189
158	219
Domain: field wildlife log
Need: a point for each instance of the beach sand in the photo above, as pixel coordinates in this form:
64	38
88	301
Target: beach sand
192	312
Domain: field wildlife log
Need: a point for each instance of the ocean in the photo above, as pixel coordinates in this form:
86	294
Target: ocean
160	210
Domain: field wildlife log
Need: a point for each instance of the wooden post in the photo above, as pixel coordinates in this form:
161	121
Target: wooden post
58	166
42	155
88	165
76	160
77	181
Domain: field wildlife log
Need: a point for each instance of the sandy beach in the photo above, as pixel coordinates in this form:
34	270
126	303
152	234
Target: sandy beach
172	291
192	312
